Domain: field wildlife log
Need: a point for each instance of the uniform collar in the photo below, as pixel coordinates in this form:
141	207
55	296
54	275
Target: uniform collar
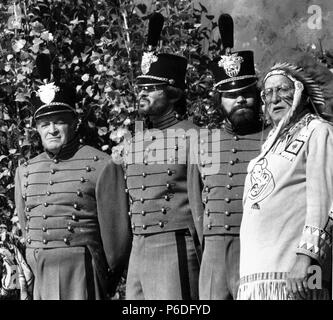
67	150
251	128
165	121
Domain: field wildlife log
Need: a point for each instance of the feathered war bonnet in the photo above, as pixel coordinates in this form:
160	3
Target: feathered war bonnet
160	68
51	98
232	71
311	78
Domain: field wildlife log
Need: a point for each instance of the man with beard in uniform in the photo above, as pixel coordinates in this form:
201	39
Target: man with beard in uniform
74	222
165	206
232	147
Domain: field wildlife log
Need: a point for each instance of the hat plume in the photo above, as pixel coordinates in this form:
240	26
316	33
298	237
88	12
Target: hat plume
226	28
155	26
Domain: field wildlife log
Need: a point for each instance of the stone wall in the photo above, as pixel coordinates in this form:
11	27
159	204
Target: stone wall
273	29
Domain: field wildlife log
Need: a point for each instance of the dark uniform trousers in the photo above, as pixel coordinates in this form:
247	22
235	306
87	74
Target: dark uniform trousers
166	215
222	197
74	223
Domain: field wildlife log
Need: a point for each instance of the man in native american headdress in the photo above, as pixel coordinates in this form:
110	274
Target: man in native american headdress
288	235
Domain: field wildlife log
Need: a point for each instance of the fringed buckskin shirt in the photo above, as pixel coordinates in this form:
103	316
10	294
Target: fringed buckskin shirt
287	202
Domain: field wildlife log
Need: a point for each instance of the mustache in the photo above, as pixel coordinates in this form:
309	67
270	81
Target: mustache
243	106
142	100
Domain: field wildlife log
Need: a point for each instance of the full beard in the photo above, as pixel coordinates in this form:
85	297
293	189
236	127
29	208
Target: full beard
243	117
152	108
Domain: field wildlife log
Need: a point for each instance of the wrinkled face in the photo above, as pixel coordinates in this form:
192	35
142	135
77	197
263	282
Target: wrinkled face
240	106
56	130
278	96
153	100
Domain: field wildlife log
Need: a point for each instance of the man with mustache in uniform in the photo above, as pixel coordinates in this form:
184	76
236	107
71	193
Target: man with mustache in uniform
163	188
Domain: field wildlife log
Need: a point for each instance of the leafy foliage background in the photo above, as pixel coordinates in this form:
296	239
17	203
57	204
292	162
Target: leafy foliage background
97	47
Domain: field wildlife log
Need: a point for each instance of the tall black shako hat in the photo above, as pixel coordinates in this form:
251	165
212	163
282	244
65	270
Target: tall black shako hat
51	98
160	68
232	70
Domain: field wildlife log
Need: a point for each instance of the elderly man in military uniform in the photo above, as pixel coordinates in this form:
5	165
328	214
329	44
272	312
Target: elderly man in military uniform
75	224
232	147
165	206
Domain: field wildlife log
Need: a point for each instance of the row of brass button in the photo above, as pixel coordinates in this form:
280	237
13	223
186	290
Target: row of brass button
175	147
143	212
207	188
146	162
227	200
227	213
143	187
144	174
53	171
95	158
227	227
144	227
46	204
51	182
45	216
44	229
48	193
142	200
45	241
230	174
233	150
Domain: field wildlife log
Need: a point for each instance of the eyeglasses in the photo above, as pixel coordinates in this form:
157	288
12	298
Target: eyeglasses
282	91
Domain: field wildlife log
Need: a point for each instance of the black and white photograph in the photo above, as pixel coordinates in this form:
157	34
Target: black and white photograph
166	150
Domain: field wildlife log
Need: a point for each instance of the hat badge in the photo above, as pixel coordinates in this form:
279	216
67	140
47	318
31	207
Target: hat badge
231	64
147	59
46	92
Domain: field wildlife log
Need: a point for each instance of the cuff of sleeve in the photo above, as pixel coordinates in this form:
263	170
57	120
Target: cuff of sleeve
315	243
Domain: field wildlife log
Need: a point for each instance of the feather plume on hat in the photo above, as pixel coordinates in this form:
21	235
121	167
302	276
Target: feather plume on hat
155	26
226	28
43	64
157	67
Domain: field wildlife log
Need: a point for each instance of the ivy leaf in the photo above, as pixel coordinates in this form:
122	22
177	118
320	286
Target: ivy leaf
20	97
102	131
90	91
20	77
90	31
85	77
18	45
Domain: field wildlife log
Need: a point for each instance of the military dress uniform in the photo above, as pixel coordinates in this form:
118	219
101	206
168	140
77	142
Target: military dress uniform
67	211
74	222
164	190
165	212
222	196
223	164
